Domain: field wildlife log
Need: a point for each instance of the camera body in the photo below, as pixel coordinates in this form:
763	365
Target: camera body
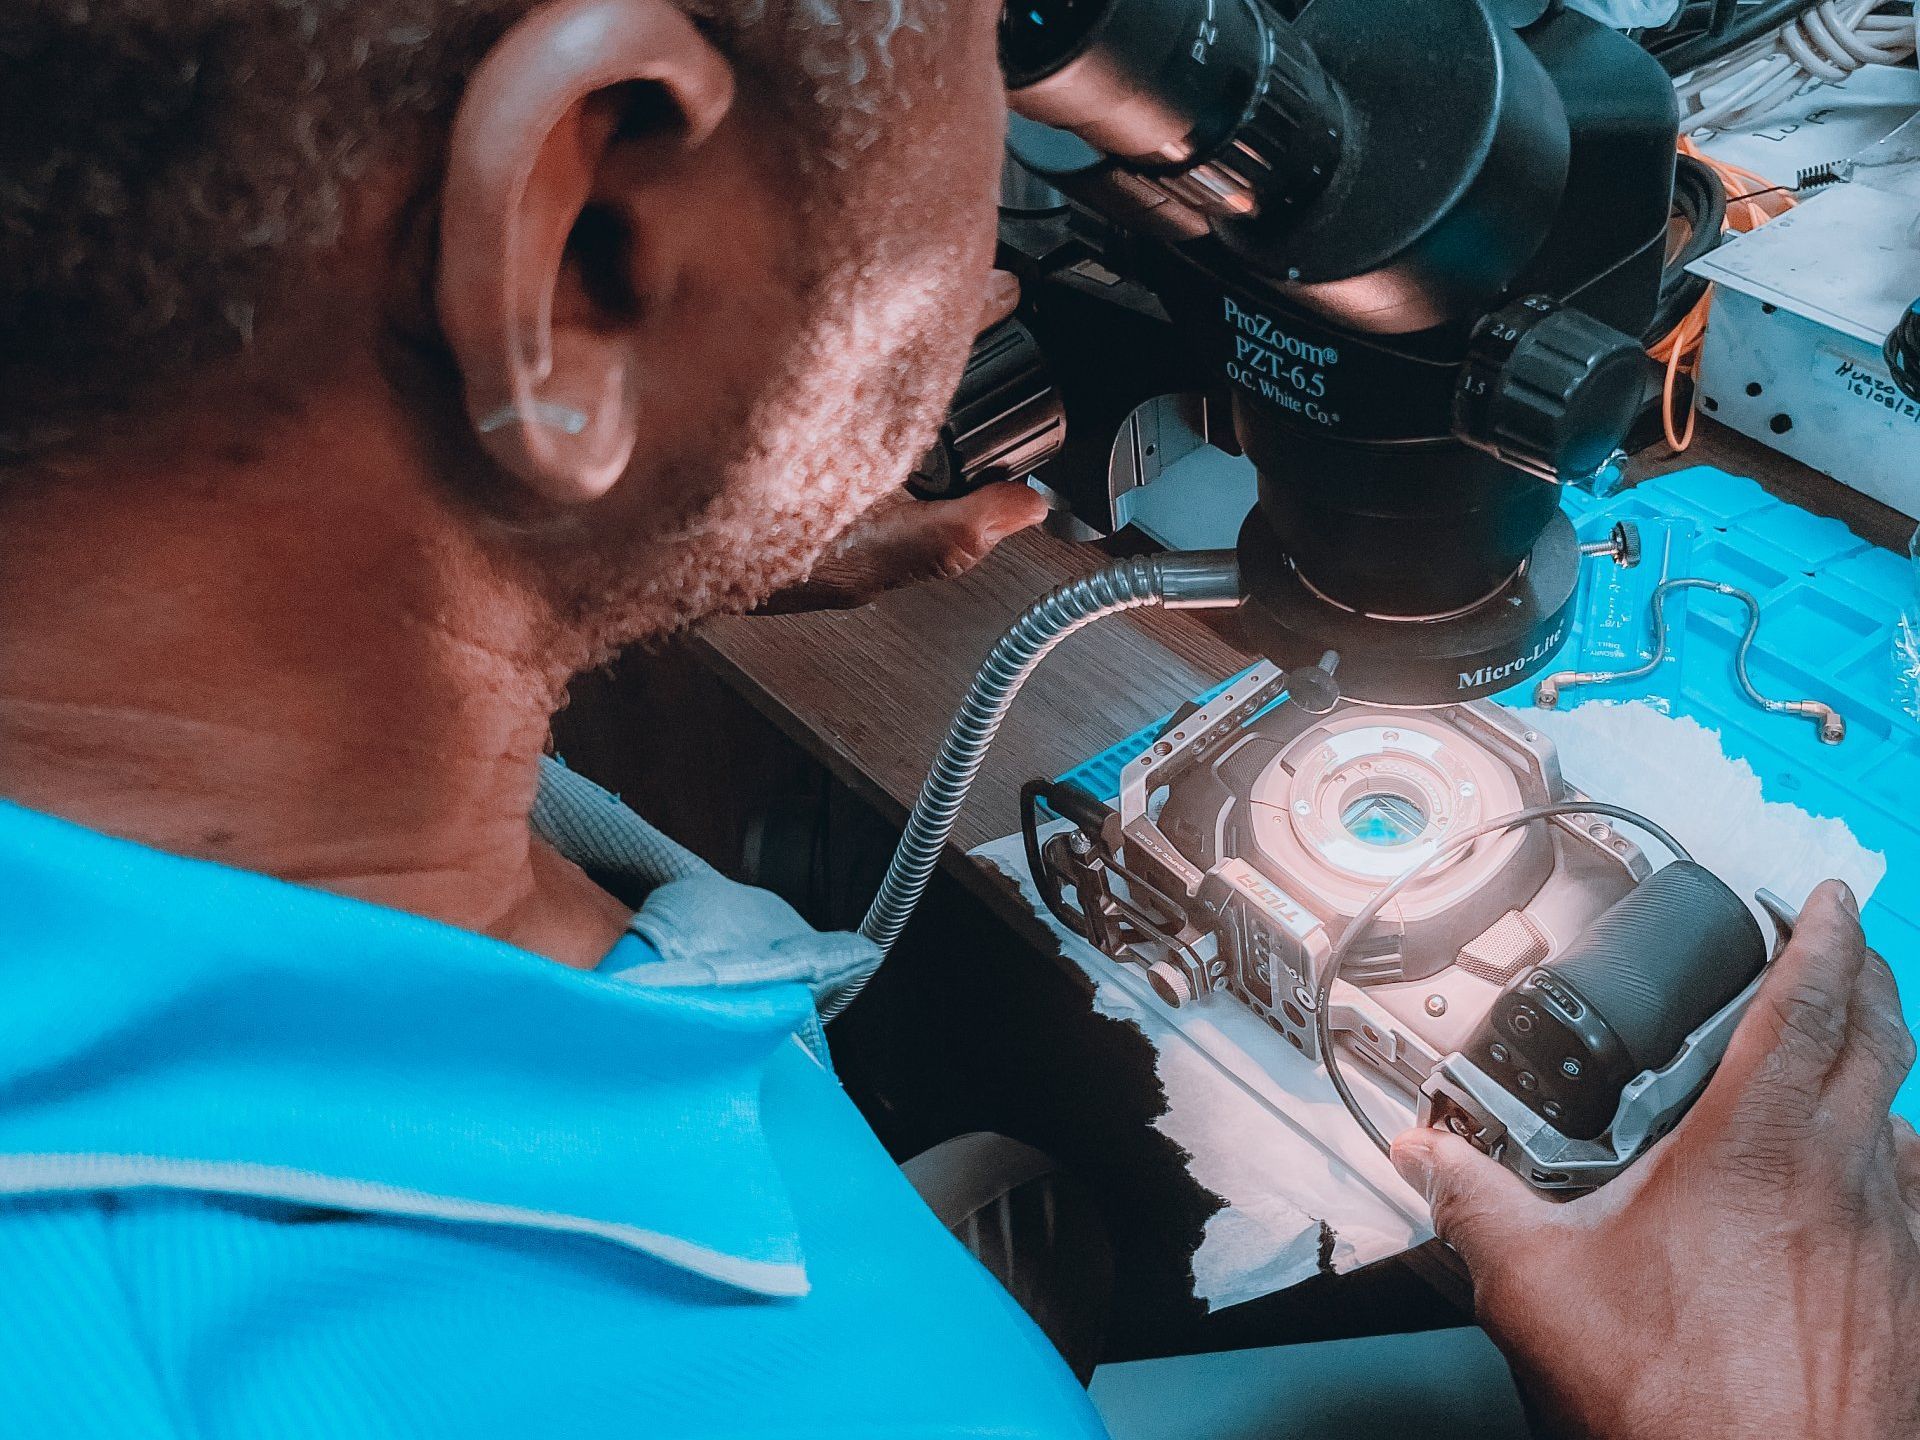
1544	992
1312	815
1401	253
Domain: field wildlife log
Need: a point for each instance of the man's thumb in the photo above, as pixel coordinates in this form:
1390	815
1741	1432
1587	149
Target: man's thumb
994	512
1476	1201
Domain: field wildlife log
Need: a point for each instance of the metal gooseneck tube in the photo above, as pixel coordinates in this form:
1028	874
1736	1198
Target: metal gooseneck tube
1832	724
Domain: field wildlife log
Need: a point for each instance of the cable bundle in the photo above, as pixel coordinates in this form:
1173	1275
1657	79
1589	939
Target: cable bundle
1826	42
1750	202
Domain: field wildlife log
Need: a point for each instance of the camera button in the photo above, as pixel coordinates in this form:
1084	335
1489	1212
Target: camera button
1570	1067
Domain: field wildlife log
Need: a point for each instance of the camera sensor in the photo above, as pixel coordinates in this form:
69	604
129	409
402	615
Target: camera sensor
1384	819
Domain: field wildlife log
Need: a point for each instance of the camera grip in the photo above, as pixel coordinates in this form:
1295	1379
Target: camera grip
1663	959
1567	1037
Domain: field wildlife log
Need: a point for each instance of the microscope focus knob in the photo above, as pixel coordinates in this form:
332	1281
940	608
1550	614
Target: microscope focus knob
1005	422
1548	389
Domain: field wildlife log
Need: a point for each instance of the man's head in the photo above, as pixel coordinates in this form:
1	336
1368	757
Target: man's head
650	300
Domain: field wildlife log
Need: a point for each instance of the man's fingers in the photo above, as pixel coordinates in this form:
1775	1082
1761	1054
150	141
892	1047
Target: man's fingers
1793	1034
997	511
955	535
1000	301
1815	1061
902	541
1906	1167
1879	1050
1479	1206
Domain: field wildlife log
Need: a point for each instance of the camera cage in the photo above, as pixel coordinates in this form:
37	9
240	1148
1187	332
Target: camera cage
1145	900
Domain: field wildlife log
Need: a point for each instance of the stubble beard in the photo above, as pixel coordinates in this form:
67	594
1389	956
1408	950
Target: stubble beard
857	396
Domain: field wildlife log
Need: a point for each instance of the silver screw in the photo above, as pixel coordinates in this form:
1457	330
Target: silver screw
1302	807
1622	546
1436	1005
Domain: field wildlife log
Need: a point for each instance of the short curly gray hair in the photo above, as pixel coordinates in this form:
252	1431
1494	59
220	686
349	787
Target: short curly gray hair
167	166
170	168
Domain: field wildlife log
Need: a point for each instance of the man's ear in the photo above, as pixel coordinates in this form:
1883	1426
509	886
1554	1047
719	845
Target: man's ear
555	398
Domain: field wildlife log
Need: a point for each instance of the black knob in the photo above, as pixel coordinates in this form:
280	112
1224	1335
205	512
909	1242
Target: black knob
1006	419
1216	102
1549	390
1285	151
1313	687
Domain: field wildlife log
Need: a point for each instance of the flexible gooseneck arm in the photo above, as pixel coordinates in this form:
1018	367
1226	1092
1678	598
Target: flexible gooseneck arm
1196	580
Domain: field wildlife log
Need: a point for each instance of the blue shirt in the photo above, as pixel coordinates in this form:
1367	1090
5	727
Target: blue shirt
278	1163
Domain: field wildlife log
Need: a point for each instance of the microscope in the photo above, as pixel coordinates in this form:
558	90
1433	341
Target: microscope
1403	255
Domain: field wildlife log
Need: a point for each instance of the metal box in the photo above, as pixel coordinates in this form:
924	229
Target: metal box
1802	309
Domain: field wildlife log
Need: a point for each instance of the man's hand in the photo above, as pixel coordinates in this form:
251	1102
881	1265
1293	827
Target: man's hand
904	540
1757	1274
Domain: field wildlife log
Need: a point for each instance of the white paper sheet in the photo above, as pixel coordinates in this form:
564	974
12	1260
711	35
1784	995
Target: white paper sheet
1304	1189
1671	769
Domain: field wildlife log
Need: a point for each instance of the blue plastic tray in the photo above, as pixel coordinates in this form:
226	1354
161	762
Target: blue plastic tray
1830	602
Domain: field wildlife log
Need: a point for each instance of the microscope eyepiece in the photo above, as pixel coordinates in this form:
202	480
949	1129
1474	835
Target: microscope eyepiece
1039	37
1217	102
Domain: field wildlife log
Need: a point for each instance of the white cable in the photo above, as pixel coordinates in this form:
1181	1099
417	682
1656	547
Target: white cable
1826	43
1773	80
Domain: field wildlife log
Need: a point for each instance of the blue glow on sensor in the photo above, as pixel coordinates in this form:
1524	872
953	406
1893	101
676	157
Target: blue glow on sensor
1384	820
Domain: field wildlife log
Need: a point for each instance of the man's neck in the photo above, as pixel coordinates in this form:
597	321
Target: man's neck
310	680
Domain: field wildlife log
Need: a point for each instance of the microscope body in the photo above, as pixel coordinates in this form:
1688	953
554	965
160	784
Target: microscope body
1417	300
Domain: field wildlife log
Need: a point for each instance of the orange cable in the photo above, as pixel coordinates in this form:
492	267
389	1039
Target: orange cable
1752	200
